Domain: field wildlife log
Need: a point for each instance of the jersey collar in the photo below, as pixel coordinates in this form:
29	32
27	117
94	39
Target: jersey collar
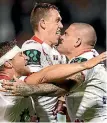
80	53
37	39
83	51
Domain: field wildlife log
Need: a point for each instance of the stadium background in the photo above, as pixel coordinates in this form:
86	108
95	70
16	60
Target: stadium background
15	15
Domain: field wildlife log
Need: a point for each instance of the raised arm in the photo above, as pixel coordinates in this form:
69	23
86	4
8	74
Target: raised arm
62	71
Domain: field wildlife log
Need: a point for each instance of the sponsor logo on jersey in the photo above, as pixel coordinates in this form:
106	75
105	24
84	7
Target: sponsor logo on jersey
55	57
34	57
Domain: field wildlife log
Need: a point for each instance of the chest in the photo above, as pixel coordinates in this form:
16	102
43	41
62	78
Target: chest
49	57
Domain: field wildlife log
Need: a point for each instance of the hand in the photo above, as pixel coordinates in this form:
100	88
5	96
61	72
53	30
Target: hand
15	88
60	108
94	61
1	88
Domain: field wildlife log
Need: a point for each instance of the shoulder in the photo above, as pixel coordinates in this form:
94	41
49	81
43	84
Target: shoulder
31	44
84	57
87	55
90	54
33	50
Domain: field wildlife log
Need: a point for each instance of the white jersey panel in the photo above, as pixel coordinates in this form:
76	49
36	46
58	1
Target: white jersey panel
89	101
15	109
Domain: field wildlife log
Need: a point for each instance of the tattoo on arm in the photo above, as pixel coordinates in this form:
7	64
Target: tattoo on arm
79	77
41	90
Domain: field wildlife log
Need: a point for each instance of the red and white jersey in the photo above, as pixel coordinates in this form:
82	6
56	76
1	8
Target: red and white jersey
14	108
40	56
88	102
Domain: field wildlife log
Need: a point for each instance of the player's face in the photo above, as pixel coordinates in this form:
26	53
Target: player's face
54	26
67	41
20	64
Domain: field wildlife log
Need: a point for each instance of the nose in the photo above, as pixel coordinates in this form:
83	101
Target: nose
61	25
25	57
62	37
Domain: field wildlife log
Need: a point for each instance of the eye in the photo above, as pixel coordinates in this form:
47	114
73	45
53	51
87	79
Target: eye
20	54
65	34
58	20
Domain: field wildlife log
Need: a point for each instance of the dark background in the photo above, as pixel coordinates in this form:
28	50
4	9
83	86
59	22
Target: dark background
15	16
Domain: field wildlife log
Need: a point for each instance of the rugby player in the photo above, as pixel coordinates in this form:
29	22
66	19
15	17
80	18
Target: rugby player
86	102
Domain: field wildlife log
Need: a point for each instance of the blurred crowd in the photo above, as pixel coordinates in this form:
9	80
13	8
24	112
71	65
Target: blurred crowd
15	14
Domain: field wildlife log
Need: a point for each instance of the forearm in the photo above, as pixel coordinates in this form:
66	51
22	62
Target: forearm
54	73
41	90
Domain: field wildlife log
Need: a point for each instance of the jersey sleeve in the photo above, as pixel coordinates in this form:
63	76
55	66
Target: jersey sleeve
33	51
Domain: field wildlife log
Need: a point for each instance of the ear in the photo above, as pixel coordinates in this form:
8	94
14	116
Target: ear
78	42
42	23
8	64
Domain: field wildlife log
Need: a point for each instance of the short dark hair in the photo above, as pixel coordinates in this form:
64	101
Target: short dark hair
39	11
6	46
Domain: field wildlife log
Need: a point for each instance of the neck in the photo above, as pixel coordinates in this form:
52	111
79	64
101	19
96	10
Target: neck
77	52
43	36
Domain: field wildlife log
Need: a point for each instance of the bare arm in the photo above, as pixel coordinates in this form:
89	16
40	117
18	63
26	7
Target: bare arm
46	89
78	77
61	72
57	72
43	90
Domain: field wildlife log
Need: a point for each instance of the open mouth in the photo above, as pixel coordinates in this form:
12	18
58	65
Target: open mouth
26	62
58	32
